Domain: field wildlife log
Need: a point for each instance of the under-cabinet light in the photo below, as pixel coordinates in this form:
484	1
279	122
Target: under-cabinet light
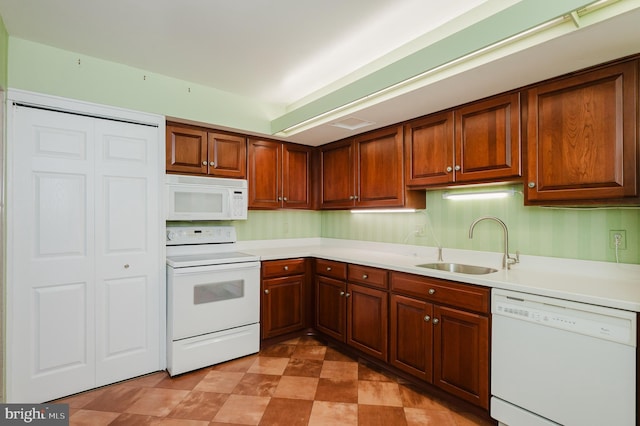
384	211
488	195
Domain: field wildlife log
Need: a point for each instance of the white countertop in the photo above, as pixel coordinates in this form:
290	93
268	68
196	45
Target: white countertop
598	283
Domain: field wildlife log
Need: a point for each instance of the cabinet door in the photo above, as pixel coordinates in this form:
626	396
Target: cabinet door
412	336
379	169
488	139
336	168
429	150
582	137
331	307
282	305
265	163
186	150
461	354
296	169
227	155
367	316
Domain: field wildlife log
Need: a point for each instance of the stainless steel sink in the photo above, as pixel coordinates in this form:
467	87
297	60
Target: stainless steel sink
458	267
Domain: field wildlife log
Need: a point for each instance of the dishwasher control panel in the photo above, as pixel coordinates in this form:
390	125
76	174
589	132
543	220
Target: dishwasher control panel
596	321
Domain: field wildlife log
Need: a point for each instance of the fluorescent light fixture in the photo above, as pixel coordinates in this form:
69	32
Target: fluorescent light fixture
487	195
384	211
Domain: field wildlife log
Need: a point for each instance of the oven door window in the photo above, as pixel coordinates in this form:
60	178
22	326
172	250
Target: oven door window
218	292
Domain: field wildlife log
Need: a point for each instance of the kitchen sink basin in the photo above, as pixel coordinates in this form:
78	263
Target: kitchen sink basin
458	267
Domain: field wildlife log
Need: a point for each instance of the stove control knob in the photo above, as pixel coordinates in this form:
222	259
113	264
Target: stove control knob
171	235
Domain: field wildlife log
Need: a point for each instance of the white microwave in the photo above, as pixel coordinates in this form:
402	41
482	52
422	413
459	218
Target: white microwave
205	198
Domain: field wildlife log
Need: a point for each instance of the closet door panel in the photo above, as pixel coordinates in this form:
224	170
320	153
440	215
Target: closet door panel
50	258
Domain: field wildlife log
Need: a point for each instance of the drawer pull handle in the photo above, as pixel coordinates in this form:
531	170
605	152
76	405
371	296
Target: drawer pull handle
328	268
431	291
435	321
286	268
427	318
365	276
266	291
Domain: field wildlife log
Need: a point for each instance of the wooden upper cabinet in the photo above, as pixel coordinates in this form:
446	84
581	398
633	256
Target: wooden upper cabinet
367	171
279	175
429	150
479	142
336	168
186	150
379	169
488	140
227	155
195	150
582	138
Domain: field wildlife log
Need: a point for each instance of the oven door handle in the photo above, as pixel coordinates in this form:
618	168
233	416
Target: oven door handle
214	268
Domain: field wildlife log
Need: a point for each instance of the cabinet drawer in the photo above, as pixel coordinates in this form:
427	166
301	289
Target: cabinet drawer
462	296
367	275
331	268
277	268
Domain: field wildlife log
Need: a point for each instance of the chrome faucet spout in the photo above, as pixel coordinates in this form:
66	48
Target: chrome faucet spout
507	260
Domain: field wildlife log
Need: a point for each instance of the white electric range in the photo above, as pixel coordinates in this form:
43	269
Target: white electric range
213	298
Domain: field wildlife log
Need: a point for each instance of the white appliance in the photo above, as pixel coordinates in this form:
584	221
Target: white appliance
205	198
560	362
213	298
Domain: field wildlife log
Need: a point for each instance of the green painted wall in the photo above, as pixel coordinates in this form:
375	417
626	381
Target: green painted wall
570	233
44	69
575	233
4	54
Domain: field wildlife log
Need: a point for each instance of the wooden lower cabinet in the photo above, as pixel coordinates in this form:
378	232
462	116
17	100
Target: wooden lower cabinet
352	313
283	297
461	354
367	320
447	346
412	336
331	307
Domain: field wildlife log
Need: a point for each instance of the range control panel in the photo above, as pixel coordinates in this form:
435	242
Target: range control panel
181	235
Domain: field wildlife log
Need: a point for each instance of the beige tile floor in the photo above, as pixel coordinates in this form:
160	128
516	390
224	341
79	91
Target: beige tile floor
298	382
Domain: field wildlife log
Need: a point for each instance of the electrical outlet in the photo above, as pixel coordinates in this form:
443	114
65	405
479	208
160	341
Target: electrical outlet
419	231
619	234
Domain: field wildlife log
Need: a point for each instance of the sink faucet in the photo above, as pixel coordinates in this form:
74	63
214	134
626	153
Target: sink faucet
507	260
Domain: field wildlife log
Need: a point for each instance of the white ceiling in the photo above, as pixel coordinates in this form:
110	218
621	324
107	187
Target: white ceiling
287	51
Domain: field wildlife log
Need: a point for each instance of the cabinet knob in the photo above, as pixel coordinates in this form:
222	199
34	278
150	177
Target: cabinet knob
449	169
342	293
126	266
328	268
266	291
531	184
204	163
432	291
427	318
355	197
351	197
457	168
284	198
286	268
347	295
212	163
279	198
435	321
365	276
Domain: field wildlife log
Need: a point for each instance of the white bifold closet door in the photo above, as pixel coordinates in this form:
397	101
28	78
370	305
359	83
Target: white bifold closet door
84	282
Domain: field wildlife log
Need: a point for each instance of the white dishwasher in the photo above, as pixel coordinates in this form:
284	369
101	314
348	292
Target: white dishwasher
561	362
